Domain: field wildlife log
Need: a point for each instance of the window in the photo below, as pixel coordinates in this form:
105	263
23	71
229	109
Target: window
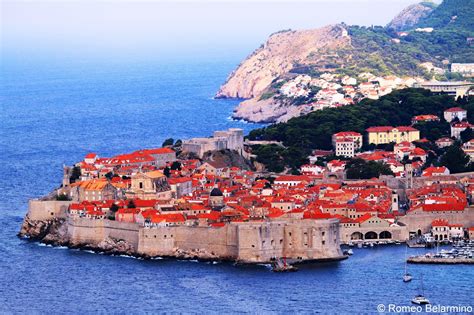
323	242
141	185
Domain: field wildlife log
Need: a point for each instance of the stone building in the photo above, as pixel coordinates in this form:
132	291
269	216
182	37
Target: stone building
92	190
150	185
232	139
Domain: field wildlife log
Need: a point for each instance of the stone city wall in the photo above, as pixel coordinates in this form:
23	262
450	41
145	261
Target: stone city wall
43	210
421	220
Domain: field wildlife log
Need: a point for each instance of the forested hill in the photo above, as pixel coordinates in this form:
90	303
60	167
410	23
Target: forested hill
303	134
451	14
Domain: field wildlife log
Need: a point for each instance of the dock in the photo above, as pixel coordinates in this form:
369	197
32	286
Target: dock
440	260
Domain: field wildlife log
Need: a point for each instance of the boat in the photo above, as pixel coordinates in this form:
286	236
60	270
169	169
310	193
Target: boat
406	277
280	265
348	252
420	299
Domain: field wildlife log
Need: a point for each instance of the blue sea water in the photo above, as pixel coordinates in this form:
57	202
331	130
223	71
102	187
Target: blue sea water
55	112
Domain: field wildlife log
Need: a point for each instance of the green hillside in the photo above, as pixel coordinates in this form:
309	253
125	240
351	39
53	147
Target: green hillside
303	134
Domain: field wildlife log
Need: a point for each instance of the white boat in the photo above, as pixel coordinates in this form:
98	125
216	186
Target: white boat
350	251
406	277
420	299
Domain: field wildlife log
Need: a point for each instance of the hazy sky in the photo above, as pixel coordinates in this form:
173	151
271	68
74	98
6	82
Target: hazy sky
162	29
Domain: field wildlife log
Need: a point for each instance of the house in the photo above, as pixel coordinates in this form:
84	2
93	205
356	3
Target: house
312	169
216	168
388	134
422	118
92	190
435	171
162	156
459	127
468	148
346	143
444	142
127	215
181	186
335	166
455	112
345	147
291	180
90	158
441	230
352	135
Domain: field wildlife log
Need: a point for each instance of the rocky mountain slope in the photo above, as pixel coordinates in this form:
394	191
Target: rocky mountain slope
282	51
410	16
348	50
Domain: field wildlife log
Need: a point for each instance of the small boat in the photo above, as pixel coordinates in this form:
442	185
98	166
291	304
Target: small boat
279	265
406	277
348	252
420	299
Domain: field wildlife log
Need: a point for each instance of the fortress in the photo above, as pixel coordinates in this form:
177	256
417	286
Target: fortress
232	139
246	242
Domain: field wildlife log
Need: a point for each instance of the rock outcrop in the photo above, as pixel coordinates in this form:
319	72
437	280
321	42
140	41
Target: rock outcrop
47	231
267	111
282	51
410	16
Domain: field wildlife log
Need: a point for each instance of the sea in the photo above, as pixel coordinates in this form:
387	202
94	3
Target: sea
54	112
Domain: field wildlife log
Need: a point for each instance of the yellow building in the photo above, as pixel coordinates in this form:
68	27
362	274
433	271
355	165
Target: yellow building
387	134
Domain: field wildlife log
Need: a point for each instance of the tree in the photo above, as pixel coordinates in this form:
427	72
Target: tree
176	166
109	175
455	159
467	135
114	208
75	174
178	143
62	197
360	169
168	142
167	172
131	204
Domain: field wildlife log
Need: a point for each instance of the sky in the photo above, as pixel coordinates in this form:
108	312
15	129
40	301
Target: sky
169	29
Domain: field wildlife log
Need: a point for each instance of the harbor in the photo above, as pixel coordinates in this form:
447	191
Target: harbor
460	253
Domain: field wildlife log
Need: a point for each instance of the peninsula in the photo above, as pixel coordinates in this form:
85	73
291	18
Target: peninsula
296	72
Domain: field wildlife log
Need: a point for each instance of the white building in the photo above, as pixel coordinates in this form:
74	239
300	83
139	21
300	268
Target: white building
459	127
455	112
345	147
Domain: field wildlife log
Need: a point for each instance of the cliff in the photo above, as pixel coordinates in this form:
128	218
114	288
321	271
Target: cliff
281	52
410	16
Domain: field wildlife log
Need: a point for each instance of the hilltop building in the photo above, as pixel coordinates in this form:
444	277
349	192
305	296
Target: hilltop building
346	143
232	139
388	134
455	112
